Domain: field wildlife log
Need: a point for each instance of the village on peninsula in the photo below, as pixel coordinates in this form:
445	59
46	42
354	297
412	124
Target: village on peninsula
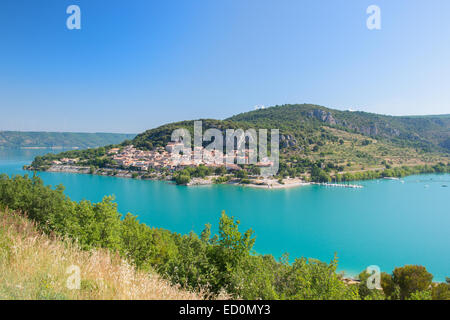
161	164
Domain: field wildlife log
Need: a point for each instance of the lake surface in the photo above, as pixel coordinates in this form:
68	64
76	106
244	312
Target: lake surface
388	223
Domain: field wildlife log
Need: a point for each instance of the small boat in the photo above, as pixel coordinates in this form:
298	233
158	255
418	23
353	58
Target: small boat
444	186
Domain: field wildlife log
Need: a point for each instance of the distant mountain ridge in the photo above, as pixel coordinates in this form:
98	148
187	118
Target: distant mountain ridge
24	139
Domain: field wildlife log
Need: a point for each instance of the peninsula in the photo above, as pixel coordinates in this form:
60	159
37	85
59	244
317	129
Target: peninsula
317	144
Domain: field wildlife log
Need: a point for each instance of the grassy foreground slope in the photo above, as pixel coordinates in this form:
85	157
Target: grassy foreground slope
37	266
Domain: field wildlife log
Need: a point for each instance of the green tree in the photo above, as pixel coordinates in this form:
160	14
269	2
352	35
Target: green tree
242	174
319	175
409	279
389	287
420	295
441	291
220	170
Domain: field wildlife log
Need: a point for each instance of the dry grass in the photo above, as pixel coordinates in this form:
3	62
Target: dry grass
371	156
34	266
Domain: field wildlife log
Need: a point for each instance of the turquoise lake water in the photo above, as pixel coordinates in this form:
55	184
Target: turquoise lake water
388	223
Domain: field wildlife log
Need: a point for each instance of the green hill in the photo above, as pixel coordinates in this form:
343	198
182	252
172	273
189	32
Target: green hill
431	133
20	139
316	143
337	141
301	123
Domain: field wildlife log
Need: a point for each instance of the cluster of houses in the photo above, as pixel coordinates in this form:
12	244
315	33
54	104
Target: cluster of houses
175	156
139	159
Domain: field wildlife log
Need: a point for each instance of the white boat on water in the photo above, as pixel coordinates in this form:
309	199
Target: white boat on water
391	178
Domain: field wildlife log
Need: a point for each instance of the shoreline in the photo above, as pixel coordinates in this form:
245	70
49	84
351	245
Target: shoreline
266	183
257	183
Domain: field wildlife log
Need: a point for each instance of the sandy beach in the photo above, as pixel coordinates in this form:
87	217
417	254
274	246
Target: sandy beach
274	184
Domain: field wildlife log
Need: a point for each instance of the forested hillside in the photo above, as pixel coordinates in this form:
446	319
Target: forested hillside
316	143
300	124
336	141
426	132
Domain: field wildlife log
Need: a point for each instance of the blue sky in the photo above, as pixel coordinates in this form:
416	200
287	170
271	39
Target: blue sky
136	64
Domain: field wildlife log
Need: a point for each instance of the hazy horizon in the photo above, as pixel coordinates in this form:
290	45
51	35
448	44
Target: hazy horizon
132	67
119	132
